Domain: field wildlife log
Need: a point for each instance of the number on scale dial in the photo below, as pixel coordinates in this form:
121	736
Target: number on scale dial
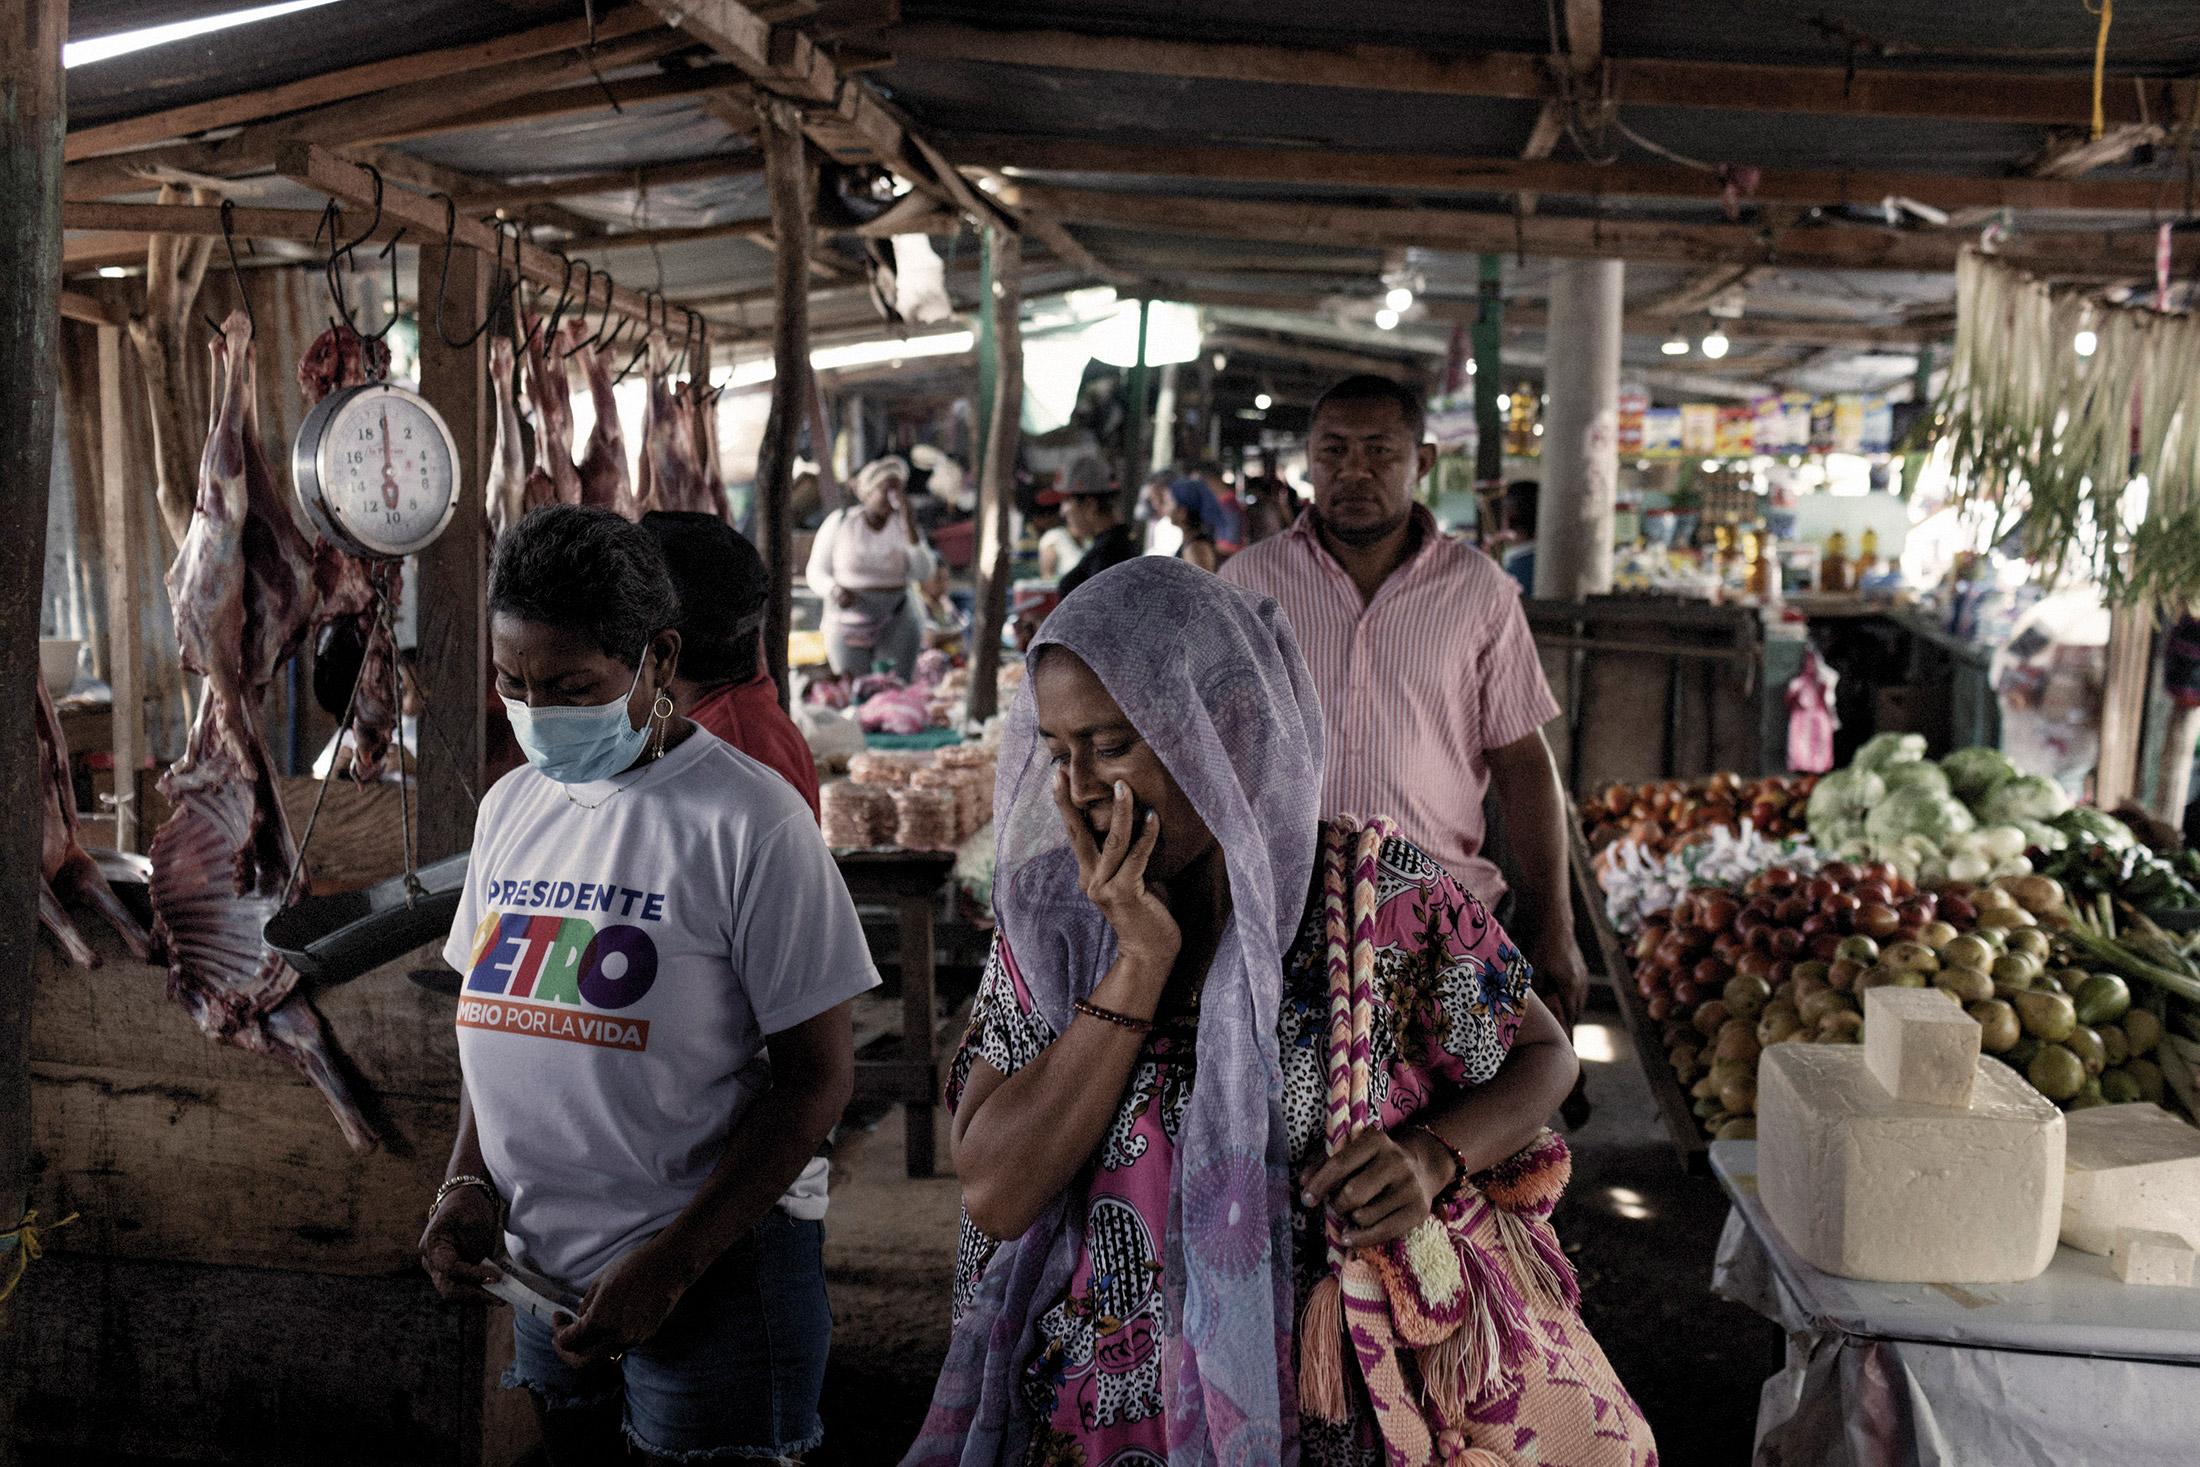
392	471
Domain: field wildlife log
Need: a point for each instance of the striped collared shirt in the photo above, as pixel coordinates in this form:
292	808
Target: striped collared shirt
1415	686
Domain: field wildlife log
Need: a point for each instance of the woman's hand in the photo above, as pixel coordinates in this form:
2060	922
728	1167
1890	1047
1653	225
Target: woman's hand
1379	1186
460	1237
626	1306
1113	877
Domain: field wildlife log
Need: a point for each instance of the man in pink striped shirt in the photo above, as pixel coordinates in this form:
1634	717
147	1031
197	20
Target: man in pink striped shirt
1428	679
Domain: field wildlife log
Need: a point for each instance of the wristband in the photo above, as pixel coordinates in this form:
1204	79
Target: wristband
1450	1150
452	1184
1136	1026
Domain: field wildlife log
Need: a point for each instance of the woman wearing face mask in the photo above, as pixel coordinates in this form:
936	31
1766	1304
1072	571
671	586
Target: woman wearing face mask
654	1031
1237	1076
861	565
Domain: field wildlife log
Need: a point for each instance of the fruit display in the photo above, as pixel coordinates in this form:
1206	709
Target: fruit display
1726	975
1637	883
1664	817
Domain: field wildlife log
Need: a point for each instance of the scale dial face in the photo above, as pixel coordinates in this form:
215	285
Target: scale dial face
377	470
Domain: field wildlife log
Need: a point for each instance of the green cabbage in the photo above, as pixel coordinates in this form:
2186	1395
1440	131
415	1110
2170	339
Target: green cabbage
2083	822
1921	775
1913	812
1881	751
2039	833
2026	797
1973	773
1843	798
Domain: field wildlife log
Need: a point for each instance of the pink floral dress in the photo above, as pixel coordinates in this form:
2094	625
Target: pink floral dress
1451	989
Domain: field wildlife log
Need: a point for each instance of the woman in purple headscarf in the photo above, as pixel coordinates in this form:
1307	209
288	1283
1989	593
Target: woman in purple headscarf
1140	1104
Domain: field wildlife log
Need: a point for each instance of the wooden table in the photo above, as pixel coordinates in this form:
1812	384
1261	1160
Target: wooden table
911	882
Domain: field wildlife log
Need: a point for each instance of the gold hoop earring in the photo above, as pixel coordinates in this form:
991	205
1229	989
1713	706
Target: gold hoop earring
660	713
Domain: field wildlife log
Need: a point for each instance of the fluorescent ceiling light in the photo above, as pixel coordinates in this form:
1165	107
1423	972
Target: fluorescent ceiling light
104	48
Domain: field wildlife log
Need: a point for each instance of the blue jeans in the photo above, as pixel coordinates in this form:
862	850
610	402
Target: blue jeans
736	1370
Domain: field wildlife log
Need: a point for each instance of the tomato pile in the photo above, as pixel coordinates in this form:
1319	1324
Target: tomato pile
1663	817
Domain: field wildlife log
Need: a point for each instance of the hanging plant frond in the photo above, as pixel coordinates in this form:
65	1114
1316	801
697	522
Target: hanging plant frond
2094	458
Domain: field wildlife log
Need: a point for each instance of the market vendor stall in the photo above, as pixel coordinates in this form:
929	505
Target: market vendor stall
2072	1367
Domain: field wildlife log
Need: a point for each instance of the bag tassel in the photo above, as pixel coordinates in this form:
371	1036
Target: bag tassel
1539	1266
1452	1451
1322	1391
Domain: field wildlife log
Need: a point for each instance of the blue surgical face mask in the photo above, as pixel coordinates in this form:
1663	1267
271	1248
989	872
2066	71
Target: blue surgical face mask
579	745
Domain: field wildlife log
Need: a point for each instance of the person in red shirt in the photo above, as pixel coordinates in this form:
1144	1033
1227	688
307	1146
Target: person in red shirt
722	682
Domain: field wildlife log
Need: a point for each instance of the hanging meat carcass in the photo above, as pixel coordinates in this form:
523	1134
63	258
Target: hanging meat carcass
670	477
349	636
66	873
604	479
705	407
554	479
505	491
242	588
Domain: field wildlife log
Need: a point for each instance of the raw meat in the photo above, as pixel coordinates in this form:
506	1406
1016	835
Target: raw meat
343	586
242	588
554	479
705	409
604	481
507	484
670	478
65	871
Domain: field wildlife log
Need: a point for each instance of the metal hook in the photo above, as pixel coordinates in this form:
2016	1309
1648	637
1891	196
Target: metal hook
588	292
501	296
229	241
565	298
649	328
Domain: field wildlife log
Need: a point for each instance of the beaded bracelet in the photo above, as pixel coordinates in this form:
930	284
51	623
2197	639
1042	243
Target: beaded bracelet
1136	1026
496	1199
1449	1150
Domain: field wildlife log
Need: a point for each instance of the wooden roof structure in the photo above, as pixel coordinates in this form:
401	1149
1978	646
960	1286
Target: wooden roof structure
1820	170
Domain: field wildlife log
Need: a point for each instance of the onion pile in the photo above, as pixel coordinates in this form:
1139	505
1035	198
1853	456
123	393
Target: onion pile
1664	817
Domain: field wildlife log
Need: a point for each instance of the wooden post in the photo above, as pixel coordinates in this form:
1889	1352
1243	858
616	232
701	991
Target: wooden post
788	173
1489	336
453	590
997	484
175	266
1134	422
32	99
125	637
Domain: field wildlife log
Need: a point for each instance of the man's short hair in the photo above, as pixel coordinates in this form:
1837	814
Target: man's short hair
1521	496
723	589
1367	387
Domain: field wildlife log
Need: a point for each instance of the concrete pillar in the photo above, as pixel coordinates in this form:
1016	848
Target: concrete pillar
1573	537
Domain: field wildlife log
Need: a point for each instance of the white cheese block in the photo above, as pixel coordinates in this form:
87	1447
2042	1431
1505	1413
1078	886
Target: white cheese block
2130	1166
1921	1045
2162	1259
1866	1186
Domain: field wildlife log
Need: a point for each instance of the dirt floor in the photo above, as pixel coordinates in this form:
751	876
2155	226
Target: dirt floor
1641	1235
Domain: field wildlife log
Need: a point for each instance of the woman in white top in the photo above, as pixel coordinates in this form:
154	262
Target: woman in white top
861	565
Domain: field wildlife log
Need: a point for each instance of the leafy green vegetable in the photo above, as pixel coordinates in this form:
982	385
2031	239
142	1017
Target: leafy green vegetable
2083	822
1881	751
1840	803
2040	834
2027	797
1921	775
1973	773
1914	812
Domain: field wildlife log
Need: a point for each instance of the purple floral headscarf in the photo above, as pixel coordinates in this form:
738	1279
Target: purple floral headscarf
1211	677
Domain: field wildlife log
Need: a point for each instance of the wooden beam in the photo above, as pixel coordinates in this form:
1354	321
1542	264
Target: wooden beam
123	557
1584	50
792	180
1831	91
697	170
1414	172
433	178
453	573
352	81
1066	246
785	62
2066	253
1328	358
577	99
321	170
758	231
88	309
376	117
997	479
205	220
34	100
1697	291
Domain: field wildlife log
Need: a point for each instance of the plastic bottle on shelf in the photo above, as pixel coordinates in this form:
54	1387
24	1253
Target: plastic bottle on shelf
1834	574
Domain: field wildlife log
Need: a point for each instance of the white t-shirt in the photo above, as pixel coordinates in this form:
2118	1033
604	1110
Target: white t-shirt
848	552
1068	550
623	966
